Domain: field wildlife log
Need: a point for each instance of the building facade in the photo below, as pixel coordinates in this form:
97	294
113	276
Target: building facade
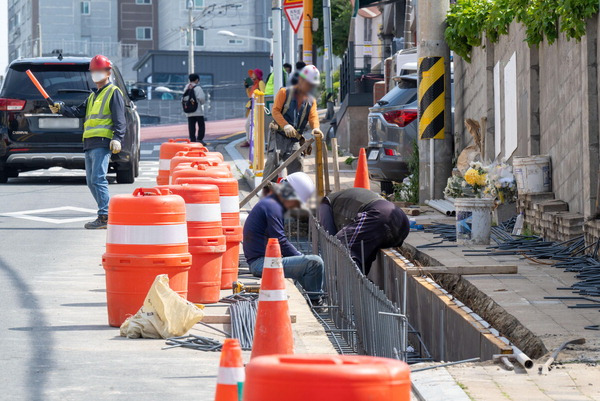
221	76
138	24
69	27
247	18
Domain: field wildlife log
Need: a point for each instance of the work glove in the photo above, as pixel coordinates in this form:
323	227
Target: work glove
290	131
115	146
55	108
317	134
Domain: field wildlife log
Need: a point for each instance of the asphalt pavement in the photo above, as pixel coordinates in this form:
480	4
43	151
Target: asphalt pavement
55	342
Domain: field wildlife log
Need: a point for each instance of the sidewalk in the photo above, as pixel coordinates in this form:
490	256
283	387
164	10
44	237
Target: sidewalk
514	304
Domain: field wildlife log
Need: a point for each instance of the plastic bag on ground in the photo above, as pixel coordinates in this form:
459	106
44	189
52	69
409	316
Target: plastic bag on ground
164	314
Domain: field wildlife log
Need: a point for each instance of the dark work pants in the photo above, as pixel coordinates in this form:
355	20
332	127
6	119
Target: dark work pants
192	122
381	225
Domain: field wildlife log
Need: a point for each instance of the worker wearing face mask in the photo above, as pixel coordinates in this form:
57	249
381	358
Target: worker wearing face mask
103	131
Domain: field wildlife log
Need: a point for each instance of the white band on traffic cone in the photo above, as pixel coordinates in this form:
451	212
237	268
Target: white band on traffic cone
272	295
147	235
164	164
272	263
203	212
230	204
231	376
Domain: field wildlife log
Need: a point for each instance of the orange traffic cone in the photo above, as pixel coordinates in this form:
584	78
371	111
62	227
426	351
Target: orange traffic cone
230	381
362	171
273	330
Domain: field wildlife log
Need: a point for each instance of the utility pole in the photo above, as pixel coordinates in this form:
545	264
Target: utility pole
328	56
292	44
277	56
435	115
307	41
191	36
39	39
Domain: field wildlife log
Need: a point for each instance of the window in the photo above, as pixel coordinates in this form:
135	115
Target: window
270	23
143	33
143	1
197	3
198	38
85	8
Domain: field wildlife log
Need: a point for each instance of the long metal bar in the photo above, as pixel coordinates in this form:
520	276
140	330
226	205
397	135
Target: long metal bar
283	165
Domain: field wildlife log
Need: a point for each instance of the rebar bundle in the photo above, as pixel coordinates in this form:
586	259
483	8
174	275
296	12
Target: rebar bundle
243	320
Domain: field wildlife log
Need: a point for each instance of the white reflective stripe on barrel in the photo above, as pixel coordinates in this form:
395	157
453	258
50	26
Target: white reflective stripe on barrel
230	204
147	235
231	376
272	295
272	263
164	164
203	212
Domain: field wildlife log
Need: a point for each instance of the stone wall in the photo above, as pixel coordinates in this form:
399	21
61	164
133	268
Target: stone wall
557	107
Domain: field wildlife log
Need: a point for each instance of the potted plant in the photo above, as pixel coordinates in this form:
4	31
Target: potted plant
502	186
473	205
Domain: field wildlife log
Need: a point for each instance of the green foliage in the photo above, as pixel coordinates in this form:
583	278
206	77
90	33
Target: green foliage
469	20
409	191
341	13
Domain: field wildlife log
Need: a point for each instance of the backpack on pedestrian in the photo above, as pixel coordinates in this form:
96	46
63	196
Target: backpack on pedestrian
189	101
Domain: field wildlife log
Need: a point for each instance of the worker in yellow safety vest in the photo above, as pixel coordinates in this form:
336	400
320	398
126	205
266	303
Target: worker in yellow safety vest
103	132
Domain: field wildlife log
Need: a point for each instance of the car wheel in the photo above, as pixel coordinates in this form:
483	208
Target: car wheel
3	177
127	176
387	187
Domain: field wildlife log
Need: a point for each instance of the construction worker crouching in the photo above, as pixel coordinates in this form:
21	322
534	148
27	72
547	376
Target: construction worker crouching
266	221
293	109
103	131
364	222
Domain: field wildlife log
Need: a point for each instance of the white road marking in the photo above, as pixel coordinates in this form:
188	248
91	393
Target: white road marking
29	214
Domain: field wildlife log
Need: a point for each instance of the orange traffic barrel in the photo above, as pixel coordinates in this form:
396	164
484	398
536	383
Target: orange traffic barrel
230	213
201	169
168	150
206	240
192	156
326	378
146	236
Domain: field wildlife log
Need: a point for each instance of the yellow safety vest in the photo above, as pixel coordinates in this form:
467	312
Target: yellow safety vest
98	117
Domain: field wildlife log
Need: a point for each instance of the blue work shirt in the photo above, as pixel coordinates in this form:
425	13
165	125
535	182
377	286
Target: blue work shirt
266	221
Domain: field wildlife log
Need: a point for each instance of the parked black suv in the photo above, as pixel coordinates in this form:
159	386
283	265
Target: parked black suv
32	138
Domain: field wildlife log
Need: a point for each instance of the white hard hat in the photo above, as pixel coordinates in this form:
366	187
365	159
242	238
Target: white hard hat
302	184
311	74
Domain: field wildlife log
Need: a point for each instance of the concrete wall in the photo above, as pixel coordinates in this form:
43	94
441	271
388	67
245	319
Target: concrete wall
556	106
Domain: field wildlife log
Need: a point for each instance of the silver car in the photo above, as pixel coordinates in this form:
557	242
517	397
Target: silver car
392	128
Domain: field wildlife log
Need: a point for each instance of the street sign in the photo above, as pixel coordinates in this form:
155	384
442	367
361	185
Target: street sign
294	11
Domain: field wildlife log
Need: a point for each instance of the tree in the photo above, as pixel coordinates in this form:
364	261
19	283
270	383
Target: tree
341	13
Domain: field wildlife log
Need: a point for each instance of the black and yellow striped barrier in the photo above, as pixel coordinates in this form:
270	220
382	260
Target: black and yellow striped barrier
431	98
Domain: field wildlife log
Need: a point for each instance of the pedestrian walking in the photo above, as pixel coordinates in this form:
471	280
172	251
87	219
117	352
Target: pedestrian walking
364	222
103	131
293	110
193	106
266	221
255	83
